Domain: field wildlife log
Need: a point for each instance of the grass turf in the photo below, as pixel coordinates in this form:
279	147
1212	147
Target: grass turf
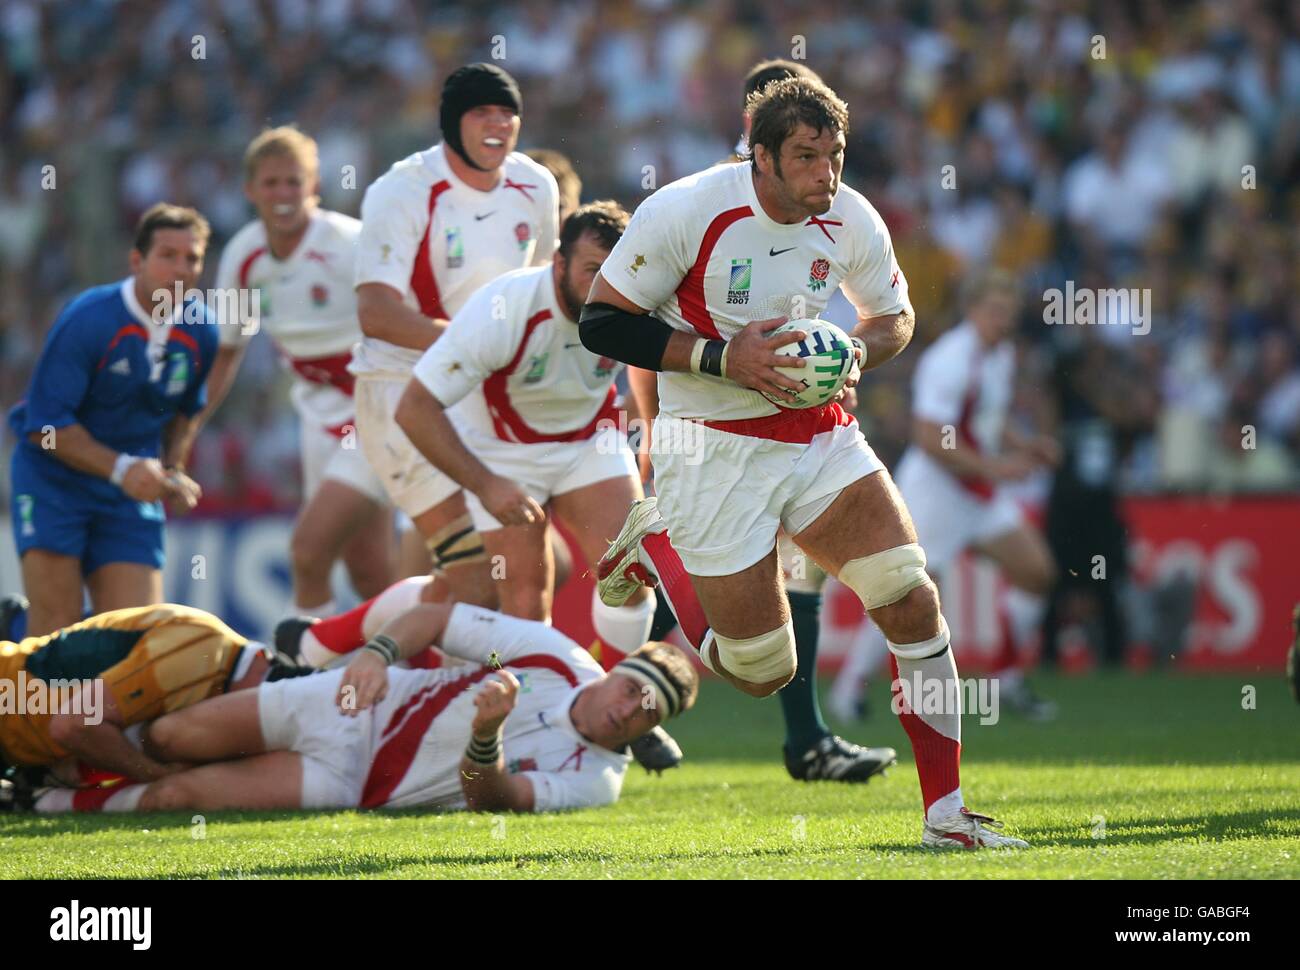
1156	776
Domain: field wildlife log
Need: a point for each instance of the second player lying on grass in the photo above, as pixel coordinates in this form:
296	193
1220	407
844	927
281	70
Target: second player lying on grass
531	724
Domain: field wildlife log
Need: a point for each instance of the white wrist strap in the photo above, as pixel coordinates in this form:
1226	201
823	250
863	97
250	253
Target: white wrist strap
121	466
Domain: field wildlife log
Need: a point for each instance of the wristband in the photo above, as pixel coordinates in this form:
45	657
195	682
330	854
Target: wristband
385	646
862	346
121	467
484	752
709	357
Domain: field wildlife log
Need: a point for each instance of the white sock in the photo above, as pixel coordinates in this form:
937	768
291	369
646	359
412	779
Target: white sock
125	799
946	806
865	653
625	628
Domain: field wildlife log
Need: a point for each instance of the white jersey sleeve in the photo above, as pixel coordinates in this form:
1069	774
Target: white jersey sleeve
555	791
475	344
649	261
234	330
875	284
486	637
938	386
394	217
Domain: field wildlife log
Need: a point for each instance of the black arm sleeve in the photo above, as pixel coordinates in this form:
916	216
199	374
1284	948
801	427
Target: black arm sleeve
634	338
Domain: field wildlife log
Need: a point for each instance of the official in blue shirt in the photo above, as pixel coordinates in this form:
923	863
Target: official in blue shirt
106	428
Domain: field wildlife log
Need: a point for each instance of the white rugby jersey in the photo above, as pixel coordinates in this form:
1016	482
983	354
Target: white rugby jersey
961	382
422	726
702	255
435	240
306	305
517	365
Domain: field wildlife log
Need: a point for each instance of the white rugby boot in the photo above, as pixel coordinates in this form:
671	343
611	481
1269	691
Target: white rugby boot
623	569
968	830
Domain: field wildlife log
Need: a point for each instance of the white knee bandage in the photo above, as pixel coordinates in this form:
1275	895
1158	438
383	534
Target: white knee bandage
760	659
886	577
926	648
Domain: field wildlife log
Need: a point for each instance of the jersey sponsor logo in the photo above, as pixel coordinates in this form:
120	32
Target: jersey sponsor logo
523	234
773	251
817	273
636	264
123	367
455	248
537	368
742	275
480	218
179	375
384	252
521	764
319	257
26	505
319	295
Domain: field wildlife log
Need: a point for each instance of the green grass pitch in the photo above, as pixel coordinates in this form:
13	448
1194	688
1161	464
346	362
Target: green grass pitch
1153	776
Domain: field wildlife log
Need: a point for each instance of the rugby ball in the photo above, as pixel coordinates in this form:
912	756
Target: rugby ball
828	363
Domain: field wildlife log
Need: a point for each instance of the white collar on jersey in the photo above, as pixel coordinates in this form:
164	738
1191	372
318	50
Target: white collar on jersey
558	718
158	331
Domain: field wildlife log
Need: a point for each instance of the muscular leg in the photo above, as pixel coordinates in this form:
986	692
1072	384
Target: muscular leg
869	517
338	521
52	583
213	730
526	569
470	580
1023	557
266	781
117	585
746	604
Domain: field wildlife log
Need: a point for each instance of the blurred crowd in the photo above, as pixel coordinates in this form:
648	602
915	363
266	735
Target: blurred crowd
1147	145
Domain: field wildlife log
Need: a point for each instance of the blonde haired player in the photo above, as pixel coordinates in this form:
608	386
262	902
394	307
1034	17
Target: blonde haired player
435	227
708	267
298	260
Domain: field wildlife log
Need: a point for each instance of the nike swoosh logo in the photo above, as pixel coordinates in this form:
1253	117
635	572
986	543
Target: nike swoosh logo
778	252
480	218
570	346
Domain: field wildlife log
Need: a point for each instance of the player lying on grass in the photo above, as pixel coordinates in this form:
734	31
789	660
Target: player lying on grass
530	724
83	687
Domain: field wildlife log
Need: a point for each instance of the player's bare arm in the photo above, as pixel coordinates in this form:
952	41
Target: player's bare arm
144	480
884	337
483	777
385	316
365	682
421	415
103	744
748	359
221	379
940	443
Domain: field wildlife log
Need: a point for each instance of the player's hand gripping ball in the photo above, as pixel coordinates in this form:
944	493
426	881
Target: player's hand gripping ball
828	363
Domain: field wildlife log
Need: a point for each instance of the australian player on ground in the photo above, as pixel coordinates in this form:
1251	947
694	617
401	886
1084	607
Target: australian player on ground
811	752
962	448
300	260
106	427
150	660
708	267
530	724
436	227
